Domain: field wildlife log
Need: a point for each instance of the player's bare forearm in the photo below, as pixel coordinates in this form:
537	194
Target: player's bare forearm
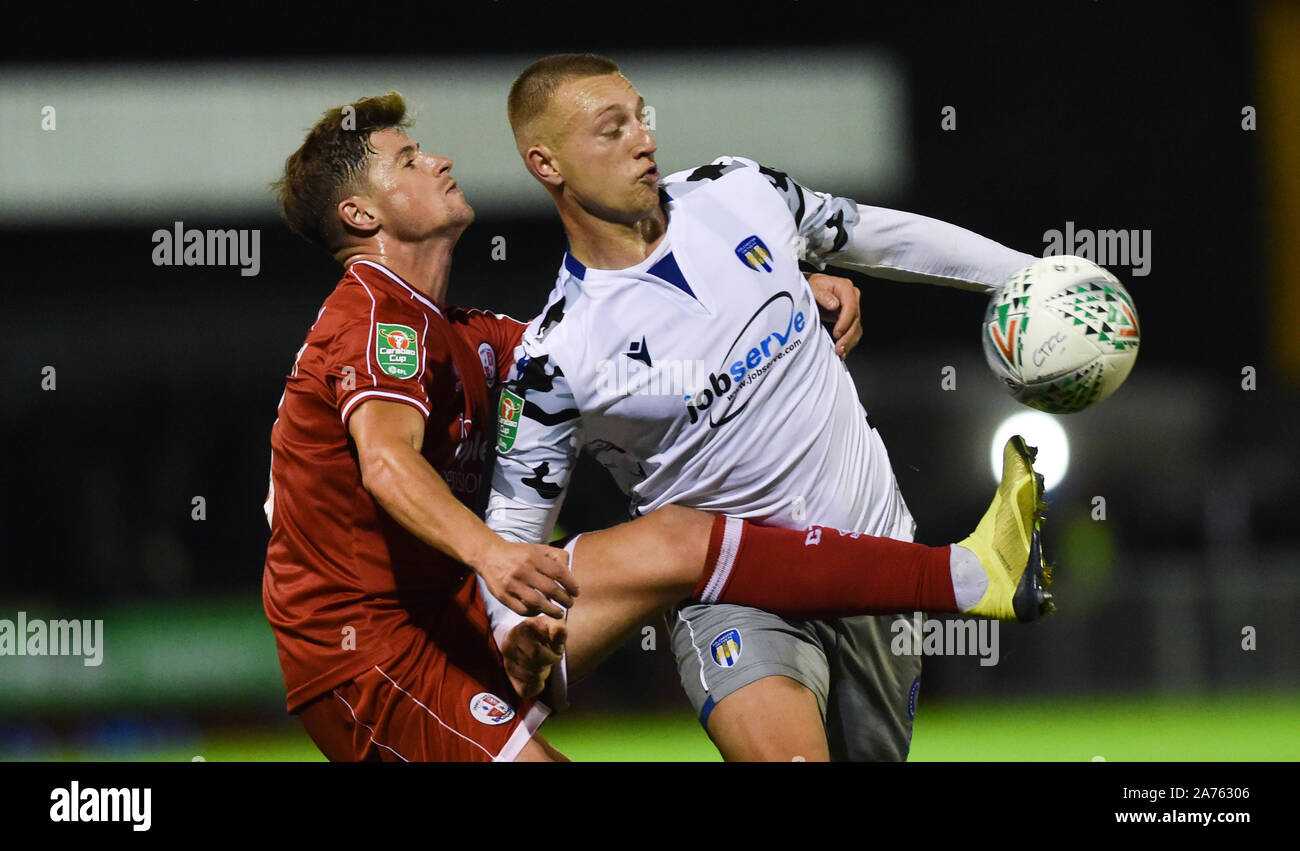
413	494
527	578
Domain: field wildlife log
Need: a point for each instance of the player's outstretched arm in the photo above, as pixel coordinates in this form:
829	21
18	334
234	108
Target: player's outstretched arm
905	246
886	243
528	578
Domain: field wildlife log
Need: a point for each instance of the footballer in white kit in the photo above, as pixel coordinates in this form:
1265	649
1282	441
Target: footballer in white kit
701	377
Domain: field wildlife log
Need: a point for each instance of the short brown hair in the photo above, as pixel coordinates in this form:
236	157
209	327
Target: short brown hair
330	165
532	90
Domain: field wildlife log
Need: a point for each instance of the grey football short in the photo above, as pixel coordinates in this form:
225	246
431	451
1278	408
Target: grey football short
866	693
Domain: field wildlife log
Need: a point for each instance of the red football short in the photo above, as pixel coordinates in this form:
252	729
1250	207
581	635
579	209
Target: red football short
444	697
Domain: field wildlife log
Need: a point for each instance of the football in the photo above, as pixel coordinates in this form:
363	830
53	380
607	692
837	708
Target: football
1061	334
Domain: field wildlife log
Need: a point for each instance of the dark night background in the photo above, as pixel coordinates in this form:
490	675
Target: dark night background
1111	115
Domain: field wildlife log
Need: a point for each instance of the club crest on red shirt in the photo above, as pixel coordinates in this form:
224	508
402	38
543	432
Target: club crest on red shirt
489	361
489	709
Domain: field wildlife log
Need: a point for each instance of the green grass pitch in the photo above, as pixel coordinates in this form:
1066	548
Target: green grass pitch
1140	728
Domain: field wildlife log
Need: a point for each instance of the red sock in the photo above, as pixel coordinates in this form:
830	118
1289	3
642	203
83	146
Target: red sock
822	572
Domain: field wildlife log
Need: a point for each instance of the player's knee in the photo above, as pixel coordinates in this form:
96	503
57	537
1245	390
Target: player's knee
774	719
788	751
684	533
773	742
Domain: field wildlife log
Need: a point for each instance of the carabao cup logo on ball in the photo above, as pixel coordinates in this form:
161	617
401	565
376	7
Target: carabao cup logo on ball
769	335
1004	324
1062	334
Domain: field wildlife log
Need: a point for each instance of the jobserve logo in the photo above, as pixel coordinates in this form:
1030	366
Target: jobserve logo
771	334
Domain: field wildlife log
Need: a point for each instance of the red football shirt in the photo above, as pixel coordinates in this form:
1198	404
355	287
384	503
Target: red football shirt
344	582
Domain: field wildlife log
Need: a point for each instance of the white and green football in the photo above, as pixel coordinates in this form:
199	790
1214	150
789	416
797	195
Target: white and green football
1061	334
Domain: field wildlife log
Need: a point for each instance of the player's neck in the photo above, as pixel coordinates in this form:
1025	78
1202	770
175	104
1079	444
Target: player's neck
425	266
601	244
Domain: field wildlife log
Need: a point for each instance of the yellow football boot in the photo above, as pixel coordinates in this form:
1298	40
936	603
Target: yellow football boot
1008	542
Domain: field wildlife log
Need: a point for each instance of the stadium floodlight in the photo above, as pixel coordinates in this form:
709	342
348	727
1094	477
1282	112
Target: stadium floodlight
1040	430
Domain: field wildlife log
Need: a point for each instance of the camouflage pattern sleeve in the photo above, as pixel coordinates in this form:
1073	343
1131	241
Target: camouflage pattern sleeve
538	438
892	244
825	222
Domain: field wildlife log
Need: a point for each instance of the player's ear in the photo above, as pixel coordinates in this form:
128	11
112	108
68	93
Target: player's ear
541	164
357	215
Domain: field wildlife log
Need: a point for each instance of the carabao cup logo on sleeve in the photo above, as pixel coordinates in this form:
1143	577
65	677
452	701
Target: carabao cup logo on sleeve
508	413
726	648
397	349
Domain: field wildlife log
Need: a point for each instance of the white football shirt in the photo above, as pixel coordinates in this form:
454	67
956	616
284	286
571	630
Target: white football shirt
702	376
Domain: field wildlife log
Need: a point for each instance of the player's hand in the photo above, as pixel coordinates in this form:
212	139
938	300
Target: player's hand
529	579
531	649
839	294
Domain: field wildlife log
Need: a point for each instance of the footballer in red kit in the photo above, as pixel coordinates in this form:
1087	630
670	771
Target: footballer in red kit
379	568
347	596
381	633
